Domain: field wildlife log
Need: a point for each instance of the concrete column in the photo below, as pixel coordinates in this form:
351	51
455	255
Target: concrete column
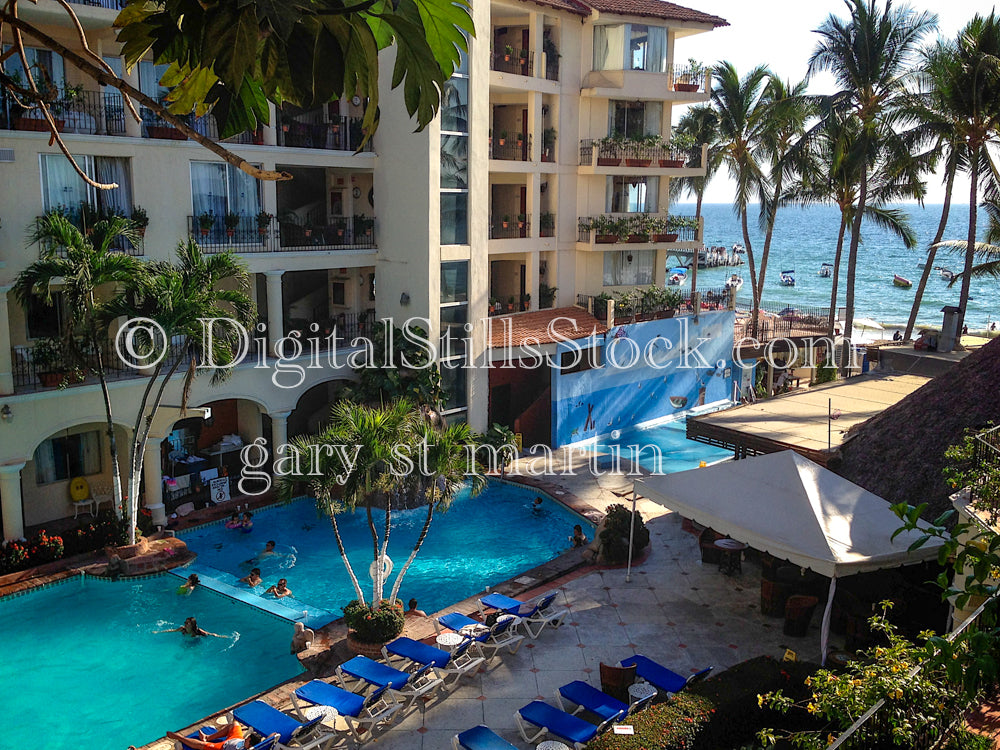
275	324
535	126
531	278
271	130
279	431
10	499
133	128
536	28
660	268
152	475
533	204
6	366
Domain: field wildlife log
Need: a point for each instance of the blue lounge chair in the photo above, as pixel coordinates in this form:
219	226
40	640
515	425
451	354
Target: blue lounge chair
266	720
408	685
267	743
357	710
586	696
566	727
535	612
480	738
488	641
659	676
445	665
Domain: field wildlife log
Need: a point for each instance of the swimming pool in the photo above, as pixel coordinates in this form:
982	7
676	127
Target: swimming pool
478	542
83	667
678	453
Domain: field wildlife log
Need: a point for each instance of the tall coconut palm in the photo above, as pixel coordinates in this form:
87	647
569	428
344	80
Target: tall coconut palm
177	296
987	252
869	55
82	264
742	110
966	77
698	125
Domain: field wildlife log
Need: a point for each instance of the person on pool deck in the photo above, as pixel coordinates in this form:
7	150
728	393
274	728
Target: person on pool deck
252	578
302	638
189	585
412	610
190	628
227	737
246	525
280	589
234	521
578	539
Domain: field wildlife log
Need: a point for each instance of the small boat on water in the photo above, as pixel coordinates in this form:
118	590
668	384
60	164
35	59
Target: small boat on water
677	276
734	282
787	278
738	248
946	273
826	270
901	281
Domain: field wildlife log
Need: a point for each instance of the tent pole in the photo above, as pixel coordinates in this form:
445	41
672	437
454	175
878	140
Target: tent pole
631	534
824	633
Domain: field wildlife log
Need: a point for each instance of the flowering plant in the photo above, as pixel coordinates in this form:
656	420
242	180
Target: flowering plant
374	624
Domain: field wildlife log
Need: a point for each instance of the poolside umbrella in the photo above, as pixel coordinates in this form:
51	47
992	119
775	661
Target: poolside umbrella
864	323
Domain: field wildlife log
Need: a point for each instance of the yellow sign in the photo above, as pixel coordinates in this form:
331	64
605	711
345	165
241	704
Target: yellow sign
790	655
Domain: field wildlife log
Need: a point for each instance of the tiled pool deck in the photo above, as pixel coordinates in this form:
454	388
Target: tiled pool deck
675	610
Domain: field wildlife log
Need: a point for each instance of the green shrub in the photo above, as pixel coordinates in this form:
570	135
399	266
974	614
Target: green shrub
670	725
374	624
614	537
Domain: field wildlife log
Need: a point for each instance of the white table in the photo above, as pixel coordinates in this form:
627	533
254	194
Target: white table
638	691
450	641
552	745
329	714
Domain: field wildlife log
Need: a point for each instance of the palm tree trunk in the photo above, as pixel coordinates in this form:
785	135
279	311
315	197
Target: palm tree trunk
970	250
347	563
374	534
847	354
416	548
768	235
836	273
379	576
931	254
102	377
755	309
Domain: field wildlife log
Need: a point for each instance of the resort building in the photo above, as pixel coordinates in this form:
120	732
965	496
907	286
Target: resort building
501	206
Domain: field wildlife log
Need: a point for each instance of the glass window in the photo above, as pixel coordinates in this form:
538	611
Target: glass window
69	456
63	187
656	49
632	194
453	320
634	119
46	321
609	47
454	161
628	267
149	80
455	105
219	188
455	281
454	218
646	47
453	381
46	67
638	44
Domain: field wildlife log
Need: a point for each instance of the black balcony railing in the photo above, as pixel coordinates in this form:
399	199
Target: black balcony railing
84	112
154	126
636	227
636	154
547	225
109	4
511	149
353	231
315	129
552	68
518	61
683	78
341	328
214	236
510	227
83	217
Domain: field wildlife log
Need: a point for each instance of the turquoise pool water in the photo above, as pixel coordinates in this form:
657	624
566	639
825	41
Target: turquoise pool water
83	668
678	453
478	542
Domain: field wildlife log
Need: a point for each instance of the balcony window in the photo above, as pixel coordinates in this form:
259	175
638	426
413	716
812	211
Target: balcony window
64	189
60	458
454	315
629	267
630	46
454	282
455	161
46	321
632	194
634	119
218	189
45	66
454	195
455	105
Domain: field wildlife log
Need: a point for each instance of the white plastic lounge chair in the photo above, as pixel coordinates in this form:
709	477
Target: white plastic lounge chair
360	713
266	720
406	685
446	665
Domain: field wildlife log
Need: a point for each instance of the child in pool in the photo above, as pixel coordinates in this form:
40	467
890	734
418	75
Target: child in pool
190	628
234	521
246	525
189	585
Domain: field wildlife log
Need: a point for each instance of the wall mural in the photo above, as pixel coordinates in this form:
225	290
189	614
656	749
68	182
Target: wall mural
657	375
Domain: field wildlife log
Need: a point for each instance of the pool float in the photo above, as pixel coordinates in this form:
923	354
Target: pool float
386	567
678	402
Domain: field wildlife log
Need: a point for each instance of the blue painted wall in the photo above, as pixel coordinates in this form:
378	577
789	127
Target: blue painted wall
670	376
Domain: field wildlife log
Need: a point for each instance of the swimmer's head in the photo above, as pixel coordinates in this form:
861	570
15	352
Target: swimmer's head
412	604
234	517
537	501
256	572
282	582
190	623
247	515
269	546
193	579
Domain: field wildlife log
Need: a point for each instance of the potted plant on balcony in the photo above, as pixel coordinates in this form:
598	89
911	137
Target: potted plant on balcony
205	223
508	52
691	79
639	228
607	229
510	303
546	296
520	140
638	151
609	151
674	225
548	144
626	304
340	226
547	224
601	306
660	231
676	147
671	299
263	222
231	220
48	356
141	219
505	221
521	219
364	225
503	137
307	227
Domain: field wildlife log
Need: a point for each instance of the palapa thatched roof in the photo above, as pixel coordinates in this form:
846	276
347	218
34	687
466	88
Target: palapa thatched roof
899	454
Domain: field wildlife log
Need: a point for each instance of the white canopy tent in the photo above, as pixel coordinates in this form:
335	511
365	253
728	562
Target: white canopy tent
794	509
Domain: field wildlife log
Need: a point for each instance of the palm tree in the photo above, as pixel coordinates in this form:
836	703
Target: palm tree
82	263
177	296
869	55
987	251
698	125
966	77
742	110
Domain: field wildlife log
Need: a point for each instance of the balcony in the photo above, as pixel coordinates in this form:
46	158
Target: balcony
638	228
676	82
109	4
510	149
339	232
154	126
517	61
611	153
78	111
509	227
214	236
316	129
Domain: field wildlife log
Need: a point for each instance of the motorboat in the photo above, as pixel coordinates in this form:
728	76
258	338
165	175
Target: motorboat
946	273
734	282
787	278
677	276
826	270
901	281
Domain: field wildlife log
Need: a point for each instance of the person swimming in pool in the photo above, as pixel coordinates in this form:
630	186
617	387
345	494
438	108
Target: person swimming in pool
252	579
227	737
280	589
189	585
234	521
268	549
579	539
190	628
246	525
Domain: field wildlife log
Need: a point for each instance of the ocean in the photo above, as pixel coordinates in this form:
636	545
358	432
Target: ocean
804	238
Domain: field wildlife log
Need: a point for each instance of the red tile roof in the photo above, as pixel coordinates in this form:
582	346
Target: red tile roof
573	6
655	9
518	329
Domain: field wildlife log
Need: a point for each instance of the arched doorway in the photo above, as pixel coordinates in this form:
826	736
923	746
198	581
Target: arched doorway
312	410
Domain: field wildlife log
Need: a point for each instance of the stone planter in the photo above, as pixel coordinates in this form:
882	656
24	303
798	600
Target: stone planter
606	239
128	551
37	124
638	162
371	650
609	161
671	163
687	87
665	237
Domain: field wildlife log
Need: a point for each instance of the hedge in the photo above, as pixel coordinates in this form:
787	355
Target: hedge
670	725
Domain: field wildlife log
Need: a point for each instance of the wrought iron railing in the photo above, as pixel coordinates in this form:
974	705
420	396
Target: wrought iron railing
636	227
78	111
214	236
154	126
602	153
508	227
986	454
316	129
347	231
684	78
342	329
547	225
517	61
506	148
109	4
